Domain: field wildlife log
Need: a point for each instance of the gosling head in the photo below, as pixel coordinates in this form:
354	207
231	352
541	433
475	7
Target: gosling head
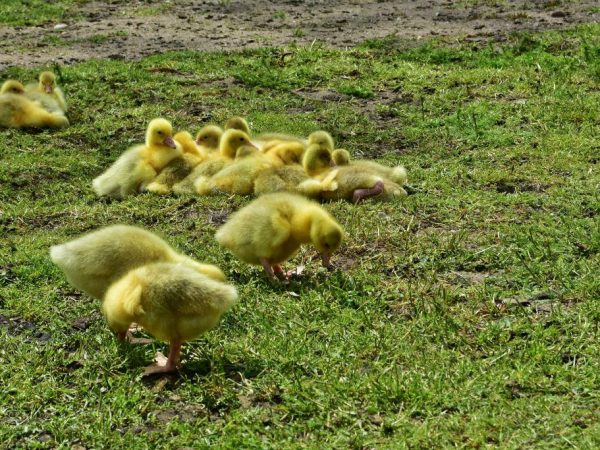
12	87
160	132
341	157
232	140
47	82
244	151
322	139
326	235
209	137
237	123
316	159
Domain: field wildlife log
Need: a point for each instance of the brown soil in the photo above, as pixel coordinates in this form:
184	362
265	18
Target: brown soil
138	28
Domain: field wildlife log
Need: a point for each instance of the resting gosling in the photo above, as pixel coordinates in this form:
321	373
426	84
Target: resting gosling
139	165
180	167
17	111
344	182
208	138
397	174
48	93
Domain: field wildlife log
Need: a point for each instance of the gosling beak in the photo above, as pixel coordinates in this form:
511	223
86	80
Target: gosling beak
326	259
252	144
48	89
169	142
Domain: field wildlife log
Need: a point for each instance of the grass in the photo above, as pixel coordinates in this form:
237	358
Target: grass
465	315
36	12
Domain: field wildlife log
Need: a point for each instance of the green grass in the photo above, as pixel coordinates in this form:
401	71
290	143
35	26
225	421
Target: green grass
36	12
465	315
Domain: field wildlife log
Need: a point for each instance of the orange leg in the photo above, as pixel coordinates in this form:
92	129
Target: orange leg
125	336
326	259
172	361
268	269
279	273
359	194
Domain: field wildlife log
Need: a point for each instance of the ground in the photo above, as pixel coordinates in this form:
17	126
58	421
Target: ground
119	29
464	315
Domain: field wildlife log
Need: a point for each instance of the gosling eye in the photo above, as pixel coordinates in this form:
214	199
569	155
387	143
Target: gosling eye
160	132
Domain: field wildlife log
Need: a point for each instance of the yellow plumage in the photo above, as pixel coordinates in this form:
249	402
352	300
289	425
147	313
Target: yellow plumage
18	111
284	153
397	174
270	230
96	260
238	123
279	179
48	93
179	167
343	182
171	301
139	165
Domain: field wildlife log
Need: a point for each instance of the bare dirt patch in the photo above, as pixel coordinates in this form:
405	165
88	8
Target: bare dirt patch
111	29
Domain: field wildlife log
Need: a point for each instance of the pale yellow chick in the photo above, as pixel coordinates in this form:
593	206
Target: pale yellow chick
231	141
95	260
319	168
286	173
180	167
238	123
139	165
208	138
281	179
17	111
321	138
286	152
48	93
173	302
343	182
397	174
271	229
237	177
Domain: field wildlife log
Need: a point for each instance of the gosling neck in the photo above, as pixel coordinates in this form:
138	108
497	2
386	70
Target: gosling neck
302	224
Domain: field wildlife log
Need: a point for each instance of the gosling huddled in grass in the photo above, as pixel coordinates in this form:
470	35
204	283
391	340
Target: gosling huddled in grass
19	110
232	162
47	92
140	165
